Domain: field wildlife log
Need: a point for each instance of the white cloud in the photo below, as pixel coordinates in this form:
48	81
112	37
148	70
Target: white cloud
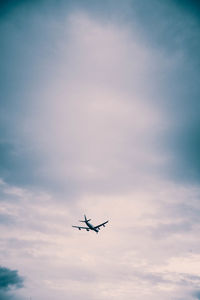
123	259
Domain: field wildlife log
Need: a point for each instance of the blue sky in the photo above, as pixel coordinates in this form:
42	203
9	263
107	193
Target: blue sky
100	115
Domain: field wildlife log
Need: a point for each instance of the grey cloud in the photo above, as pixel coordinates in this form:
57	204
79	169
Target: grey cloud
6	219
178	85
182	279
153	278
196	294
191	6
186	148
189	213
166	230
9	279
31	43
121	274
8	296
32	35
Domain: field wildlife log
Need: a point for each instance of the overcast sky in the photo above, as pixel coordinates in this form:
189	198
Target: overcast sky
100	116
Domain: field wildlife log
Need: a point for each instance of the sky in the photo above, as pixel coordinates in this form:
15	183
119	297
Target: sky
99	116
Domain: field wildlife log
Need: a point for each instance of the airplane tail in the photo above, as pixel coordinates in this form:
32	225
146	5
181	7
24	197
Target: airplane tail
86	220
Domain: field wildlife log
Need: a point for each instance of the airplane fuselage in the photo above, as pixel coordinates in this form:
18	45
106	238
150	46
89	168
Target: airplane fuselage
91	226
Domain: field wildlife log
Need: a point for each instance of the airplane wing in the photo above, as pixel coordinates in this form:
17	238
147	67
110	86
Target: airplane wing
80	227
98	226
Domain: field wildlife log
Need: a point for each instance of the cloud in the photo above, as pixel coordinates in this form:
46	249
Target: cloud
196	294
5	219
6	296
100	116
9	279
128	256
190	6
111	90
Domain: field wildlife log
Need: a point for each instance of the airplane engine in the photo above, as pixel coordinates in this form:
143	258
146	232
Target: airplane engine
103	225
79	228
87	229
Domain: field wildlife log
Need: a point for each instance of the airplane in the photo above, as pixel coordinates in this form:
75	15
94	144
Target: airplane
90	226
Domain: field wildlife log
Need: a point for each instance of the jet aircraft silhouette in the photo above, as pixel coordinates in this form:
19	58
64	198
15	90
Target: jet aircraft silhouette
90	226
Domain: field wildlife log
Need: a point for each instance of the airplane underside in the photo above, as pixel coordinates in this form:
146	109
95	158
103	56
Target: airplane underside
90	226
